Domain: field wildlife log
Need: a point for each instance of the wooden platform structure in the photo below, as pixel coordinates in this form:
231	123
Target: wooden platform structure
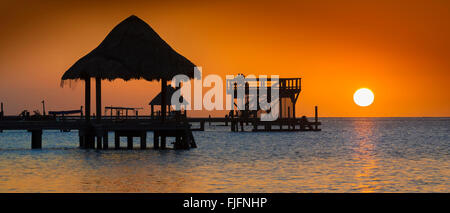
288	89
180	132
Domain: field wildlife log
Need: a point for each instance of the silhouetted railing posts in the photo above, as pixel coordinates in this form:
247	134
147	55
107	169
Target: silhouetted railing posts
43	107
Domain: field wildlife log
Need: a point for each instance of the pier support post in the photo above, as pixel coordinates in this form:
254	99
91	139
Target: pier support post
87	98
155	140
81	134
202	125
91	140
163	141
36	139
81	142
116	141
177	142
105	140
98	93
144	140
99	142
163	99
129	142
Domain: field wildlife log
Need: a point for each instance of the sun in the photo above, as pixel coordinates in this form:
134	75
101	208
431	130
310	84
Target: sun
363	97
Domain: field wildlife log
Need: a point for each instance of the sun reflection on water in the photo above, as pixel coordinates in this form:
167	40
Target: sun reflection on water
364	154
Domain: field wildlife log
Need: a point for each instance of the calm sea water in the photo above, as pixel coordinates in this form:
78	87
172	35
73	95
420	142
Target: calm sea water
349	155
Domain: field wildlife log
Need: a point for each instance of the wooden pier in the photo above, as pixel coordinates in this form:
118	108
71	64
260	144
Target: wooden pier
95	134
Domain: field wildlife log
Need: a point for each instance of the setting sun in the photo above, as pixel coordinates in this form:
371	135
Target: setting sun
363	97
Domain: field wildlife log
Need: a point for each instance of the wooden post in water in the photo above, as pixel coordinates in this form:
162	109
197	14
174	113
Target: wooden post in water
81	141
129	142
316	118
116	141
105	140
202	125
36	138
144	140
163	142
155	140
99	142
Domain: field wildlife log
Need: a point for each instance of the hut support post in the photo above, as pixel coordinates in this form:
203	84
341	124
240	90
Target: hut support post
87	98
89	140
98	98
163	99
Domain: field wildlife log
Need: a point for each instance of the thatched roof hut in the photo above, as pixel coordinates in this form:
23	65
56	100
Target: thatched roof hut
132	50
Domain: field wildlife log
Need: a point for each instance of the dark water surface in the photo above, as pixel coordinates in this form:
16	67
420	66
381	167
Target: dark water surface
349	155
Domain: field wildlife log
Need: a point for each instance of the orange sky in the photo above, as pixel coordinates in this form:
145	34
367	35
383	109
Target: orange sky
399	50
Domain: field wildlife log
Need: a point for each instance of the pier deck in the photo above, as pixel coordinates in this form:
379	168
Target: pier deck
138	126
88	131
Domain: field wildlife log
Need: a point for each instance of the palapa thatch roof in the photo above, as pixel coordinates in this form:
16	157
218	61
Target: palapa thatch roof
169	92
132	50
